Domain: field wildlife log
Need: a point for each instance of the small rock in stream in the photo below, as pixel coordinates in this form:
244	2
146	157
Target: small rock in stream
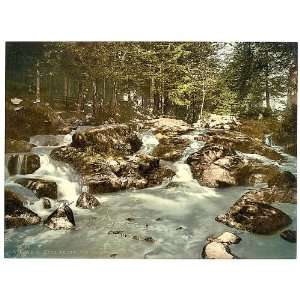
130	219
215	250
87	201
61	218
179	228
218	247
46	203
289	235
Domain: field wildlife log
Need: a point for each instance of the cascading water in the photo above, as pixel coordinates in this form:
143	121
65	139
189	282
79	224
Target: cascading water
179	217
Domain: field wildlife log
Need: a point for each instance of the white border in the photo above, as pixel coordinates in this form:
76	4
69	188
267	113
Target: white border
212	20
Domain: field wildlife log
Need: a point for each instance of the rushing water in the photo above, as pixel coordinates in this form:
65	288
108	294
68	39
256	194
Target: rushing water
179	215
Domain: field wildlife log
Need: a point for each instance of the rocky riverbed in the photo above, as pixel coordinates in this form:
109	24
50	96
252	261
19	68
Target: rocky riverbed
157	189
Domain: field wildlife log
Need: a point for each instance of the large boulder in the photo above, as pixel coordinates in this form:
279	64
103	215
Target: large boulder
215	165
106	174
240	142
171	148
86	200
107	139
41	187
16	214
272	195
61	218
255	217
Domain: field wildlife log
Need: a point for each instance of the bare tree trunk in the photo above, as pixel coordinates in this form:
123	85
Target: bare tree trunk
203	99
104	90
66	90
80	97
292	86
94	96
267	88
38	95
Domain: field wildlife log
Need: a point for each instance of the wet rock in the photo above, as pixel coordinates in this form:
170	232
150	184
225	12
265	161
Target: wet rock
228	238
284	180
171	148
23	163
215	165
87	200
41	187
105	175
289	235
16	214
130	219
149	239
61	218
135	142
254	217
179	228
113	255
215	250
46	203
272	195
108	139
241	142
17	146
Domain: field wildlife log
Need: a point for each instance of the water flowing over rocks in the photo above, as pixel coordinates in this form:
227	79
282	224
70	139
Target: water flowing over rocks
23	163
87	200
255	217
103	156
289	235
16	214
41	187
61	218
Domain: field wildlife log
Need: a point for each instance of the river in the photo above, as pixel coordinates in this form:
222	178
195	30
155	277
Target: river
179	216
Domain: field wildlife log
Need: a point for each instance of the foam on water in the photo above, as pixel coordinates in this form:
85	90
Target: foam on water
179	216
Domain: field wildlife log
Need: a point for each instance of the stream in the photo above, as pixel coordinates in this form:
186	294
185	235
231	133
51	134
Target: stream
179	215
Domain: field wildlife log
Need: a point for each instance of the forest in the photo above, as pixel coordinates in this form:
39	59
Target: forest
147	137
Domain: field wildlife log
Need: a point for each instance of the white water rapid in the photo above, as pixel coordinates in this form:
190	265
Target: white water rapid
178	215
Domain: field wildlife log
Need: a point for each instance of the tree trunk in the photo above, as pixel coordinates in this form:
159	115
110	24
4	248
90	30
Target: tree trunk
166	102
94	97
267	87
292	86
80	97
66	90
203	99
38	95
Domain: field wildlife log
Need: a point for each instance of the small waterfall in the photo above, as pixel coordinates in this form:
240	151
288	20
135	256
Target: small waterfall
20	158
267	139
183	172
149	143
